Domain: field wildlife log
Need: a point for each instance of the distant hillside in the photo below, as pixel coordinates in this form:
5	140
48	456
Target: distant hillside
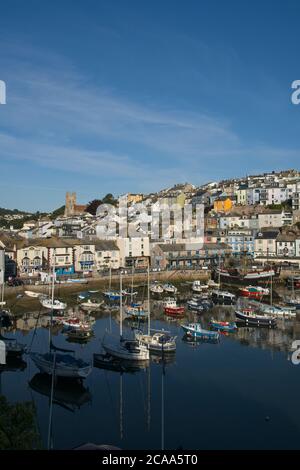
4	211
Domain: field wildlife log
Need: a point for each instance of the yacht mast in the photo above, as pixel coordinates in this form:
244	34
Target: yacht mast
121	313
148	293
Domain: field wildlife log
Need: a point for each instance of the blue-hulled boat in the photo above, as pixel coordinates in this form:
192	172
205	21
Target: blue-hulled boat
138	313
223	325
112	295
195	330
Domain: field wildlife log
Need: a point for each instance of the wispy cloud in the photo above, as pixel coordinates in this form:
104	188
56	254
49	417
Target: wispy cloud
56	117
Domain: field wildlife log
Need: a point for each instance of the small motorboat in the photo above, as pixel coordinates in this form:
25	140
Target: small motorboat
251	318
112	295
75	323
55	305
77	281
223	325
91	304
31	293
254	292
79	334
169	288
195	330
198	287
171	308
94	291
156	288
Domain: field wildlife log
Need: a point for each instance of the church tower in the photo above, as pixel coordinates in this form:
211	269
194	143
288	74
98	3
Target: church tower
70	204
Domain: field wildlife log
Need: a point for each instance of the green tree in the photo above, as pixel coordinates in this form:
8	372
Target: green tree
18	429
92	206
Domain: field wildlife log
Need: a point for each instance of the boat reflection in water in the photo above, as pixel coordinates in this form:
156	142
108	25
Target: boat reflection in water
114	364
196	341
68	394
13	364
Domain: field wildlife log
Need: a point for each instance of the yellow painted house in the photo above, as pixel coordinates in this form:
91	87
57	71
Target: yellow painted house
223	204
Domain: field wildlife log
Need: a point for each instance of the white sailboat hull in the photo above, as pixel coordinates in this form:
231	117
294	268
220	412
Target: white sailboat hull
61	370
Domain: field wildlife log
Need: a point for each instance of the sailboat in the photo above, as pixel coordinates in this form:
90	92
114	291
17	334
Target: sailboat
160	341
122	348
58	361
110	294
50	302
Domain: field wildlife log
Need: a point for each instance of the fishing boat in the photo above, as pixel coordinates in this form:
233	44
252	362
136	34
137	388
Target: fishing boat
53	304
171	308
196	305
277	311
254	319
195	330
127	349
122	348
198	287
136	312
91	304
223	297
169	288
223	325
254	292
159	342
156	288
31	293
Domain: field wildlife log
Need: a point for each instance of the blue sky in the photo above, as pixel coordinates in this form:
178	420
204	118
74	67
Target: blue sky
133	96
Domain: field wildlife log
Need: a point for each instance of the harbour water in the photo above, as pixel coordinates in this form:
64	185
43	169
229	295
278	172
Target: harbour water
239	393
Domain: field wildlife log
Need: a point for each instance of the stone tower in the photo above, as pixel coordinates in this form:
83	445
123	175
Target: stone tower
70	204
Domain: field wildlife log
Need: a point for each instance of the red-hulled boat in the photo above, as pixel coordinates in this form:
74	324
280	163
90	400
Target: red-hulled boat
254	292
171	308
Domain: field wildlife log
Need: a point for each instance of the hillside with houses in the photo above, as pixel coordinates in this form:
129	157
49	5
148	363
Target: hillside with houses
257	217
